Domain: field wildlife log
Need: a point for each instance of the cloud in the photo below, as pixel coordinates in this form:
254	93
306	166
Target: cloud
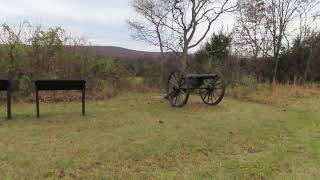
103	22
66	10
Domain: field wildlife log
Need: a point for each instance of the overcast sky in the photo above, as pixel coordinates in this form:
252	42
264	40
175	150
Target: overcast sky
103	22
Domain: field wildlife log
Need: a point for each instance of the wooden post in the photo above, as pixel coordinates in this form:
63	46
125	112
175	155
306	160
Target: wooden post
37	102
9	115
84	101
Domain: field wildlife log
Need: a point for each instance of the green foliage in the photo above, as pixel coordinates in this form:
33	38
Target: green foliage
25	85
13	49
284	62
50	39
213	54
102	66
52	54
137	83
218	47
244	87
248	81
47	46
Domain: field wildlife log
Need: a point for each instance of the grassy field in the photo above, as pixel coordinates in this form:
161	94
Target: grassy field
139	136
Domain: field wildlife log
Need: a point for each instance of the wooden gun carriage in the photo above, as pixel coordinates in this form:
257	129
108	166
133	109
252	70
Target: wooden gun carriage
210	87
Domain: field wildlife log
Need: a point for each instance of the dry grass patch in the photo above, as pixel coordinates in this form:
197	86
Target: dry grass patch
277	95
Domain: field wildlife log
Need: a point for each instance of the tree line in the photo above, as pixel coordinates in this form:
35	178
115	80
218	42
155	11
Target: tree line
281	34
32	52
271	41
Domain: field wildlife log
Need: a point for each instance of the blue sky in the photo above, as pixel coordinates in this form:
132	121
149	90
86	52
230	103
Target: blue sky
103	22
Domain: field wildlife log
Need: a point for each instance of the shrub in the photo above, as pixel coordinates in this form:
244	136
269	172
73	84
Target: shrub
25	85
244	87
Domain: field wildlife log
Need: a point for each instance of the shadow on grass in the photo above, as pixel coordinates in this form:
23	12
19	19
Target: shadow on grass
194	106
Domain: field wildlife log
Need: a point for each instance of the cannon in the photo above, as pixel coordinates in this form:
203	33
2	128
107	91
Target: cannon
210	87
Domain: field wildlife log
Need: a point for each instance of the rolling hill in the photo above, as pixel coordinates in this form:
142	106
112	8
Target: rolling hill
113	51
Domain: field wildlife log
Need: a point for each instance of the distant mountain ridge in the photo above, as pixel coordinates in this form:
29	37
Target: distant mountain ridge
113	51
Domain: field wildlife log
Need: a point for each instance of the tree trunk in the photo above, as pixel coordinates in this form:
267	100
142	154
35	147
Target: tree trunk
276	58
162	74
163	57
184	63
12	60
305	76
275	69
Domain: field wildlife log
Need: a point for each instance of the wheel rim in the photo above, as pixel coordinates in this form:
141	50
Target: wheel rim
213	91
177	95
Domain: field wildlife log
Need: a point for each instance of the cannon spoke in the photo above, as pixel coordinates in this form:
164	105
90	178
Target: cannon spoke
177	96
215	98
206	94
213	91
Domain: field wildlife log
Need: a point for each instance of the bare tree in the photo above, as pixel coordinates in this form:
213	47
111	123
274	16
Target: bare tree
14	38
280	13
184	23
308	16
266	25
250	27
148	29
192	20
153	14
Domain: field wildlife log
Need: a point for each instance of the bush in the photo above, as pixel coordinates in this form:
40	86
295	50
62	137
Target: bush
136	82
244	87
25	85
248	81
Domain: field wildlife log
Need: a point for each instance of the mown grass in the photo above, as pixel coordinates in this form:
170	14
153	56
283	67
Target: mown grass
139	136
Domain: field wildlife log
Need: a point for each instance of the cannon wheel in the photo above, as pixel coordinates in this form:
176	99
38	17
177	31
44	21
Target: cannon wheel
177	94
214	90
